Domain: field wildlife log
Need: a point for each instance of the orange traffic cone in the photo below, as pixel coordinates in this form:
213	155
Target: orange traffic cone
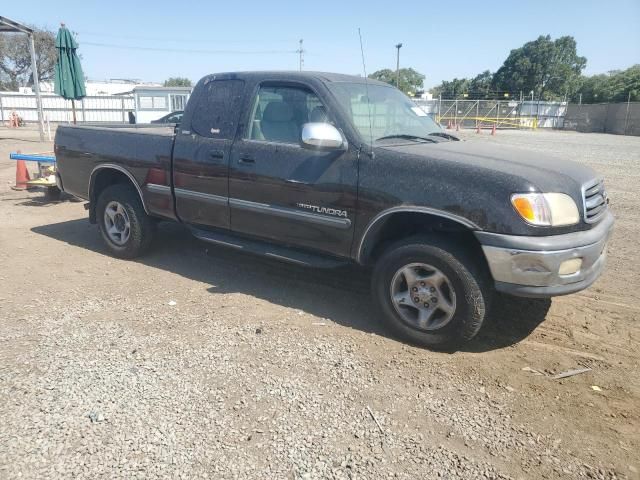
22	175
493	129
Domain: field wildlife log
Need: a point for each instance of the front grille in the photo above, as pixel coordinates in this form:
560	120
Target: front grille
595	201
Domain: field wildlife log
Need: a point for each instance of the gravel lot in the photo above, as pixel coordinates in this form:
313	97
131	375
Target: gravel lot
198	362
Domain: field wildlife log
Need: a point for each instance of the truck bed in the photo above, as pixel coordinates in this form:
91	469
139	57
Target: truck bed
144	151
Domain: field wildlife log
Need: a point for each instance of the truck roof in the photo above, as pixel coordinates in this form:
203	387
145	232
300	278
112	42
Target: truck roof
325	77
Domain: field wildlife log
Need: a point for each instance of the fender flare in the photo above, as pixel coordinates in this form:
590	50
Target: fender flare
379	219
113	166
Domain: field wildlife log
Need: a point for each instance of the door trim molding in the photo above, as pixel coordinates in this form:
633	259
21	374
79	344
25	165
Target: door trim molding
206	197
284	212
161	189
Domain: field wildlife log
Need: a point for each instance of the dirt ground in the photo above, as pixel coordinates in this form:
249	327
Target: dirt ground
198	362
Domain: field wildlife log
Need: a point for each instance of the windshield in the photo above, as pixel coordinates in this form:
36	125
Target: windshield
392	112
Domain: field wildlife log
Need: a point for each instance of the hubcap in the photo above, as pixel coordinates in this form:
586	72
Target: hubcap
116	222
423	296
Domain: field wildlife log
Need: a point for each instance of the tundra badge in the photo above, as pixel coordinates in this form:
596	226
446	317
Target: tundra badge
329	211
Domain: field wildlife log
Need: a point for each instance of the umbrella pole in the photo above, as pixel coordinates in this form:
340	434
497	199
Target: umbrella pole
73	109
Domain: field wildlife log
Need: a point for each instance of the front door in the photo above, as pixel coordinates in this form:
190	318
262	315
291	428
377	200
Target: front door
202	151
282	191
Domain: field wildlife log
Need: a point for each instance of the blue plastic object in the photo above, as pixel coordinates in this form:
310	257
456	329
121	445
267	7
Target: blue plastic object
32	158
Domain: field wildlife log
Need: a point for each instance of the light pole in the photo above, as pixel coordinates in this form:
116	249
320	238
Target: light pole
398	47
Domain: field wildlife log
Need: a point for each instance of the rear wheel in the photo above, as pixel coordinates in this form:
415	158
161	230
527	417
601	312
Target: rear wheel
431	291
125	227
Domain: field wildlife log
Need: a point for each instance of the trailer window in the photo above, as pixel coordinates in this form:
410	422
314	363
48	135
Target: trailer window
155	102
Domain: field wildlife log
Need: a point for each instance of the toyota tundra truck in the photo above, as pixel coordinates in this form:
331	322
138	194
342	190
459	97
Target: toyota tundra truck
322	169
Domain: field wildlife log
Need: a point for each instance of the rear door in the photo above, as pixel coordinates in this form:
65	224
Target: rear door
281	191
202	152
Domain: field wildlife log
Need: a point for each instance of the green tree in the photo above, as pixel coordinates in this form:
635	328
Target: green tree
455	88
177	82
614	86
15	58
593	89
411	81
480	85
549	68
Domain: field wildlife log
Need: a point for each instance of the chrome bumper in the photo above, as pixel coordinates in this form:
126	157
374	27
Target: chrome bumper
530	266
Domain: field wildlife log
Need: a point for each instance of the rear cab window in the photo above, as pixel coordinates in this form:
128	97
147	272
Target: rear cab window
217	109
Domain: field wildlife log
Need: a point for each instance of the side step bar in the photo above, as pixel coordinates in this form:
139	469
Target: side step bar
269	250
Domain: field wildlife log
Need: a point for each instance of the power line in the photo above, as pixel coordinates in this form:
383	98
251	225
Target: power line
156	39
185	50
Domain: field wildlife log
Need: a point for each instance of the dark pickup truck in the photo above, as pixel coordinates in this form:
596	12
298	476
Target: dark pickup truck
323	169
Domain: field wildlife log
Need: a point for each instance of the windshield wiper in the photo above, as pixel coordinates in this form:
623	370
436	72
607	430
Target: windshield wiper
444	135
407	137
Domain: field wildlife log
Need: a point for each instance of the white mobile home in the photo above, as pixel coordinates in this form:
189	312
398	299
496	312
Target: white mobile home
152	103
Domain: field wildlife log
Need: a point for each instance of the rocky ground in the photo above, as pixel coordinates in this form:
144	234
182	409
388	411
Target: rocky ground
198	362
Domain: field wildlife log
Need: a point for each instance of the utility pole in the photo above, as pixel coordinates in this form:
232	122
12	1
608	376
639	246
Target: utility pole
398	47
300	52
36	85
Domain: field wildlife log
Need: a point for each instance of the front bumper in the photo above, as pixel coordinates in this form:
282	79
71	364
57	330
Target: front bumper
530	266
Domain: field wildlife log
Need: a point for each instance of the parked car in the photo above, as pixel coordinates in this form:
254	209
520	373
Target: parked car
173	117
323	170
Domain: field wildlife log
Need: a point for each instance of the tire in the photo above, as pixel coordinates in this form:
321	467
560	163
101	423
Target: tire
456	307
125	209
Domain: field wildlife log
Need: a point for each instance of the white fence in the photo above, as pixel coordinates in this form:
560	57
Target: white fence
56	109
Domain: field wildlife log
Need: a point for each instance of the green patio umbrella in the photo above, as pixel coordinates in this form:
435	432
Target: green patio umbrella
68	79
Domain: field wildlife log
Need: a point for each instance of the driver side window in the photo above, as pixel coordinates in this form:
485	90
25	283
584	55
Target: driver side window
279	113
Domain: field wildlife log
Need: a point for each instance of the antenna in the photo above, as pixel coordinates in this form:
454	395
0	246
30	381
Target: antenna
366	88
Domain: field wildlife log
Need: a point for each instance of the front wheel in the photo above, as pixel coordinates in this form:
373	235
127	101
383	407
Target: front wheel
432	292
125	227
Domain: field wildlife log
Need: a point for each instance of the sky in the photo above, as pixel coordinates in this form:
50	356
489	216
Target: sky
155	40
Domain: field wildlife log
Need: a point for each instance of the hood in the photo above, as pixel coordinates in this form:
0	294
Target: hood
546	173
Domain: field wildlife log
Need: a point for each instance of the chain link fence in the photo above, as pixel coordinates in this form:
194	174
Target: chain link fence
501	113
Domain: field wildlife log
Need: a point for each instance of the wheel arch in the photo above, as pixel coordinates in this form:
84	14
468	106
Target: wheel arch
105	175
400	222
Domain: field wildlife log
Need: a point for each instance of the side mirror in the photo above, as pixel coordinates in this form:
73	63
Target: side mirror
321	135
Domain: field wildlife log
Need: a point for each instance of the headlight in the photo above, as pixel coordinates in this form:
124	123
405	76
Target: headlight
546	209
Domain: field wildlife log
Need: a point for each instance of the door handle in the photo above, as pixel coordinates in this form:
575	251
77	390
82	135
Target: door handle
246	158
216	154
